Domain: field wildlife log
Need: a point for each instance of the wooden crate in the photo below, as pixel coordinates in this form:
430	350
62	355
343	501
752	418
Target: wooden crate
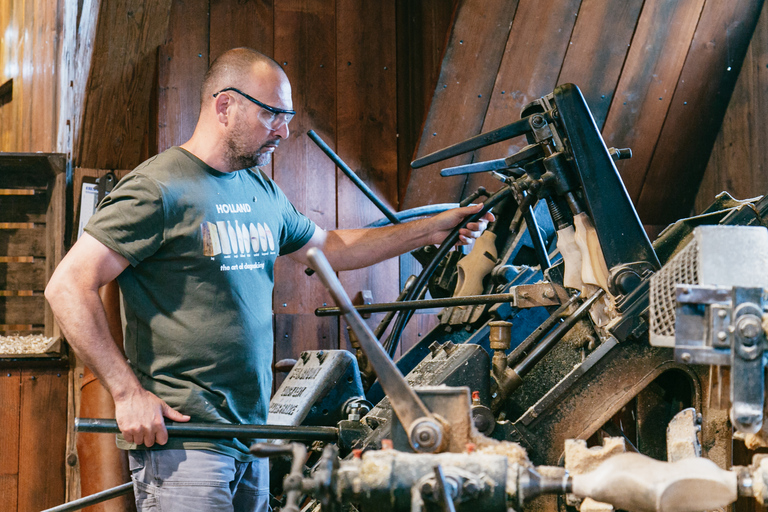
33	206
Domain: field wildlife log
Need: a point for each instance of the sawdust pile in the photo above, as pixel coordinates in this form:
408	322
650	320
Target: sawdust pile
27	344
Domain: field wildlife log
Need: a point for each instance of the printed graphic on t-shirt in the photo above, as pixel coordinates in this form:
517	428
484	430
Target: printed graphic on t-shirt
233	239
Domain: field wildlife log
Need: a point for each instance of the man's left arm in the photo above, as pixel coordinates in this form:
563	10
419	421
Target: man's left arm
348	249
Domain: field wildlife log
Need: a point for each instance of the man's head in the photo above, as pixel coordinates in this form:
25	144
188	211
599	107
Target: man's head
247	97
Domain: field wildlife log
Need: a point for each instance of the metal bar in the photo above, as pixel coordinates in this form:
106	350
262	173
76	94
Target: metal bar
442	495
93	499
354	177
509	131
422	304
490	165
219	430
539	333
538	241
524	366
407	405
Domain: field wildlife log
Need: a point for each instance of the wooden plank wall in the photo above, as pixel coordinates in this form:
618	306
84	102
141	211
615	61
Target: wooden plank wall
739	157
657	74
29	46
346	61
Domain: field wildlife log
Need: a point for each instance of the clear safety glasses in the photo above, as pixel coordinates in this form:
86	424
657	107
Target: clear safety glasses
271	117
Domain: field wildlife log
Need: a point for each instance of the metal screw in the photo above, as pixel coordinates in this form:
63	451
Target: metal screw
722	313
749	326
685	357
722	335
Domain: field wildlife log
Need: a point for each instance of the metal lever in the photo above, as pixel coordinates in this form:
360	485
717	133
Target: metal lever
425	431
389	214
520	127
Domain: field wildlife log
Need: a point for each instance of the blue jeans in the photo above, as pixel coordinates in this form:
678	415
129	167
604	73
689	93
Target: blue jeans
198	480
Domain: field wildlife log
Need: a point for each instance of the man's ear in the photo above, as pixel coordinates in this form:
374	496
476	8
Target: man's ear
222	103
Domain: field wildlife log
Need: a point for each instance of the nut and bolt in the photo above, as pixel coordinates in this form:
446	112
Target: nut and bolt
749	327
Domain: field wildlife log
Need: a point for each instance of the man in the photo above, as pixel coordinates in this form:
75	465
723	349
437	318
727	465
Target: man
192	235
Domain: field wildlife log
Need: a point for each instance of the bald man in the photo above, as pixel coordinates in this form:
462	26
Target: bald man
192	235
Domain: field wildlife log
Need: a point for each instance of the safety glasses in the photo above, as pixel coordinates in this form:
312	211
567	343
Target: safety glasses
271	117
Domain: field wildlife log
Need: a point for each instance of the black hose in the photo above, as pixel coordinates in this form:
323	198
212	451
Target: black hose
423	280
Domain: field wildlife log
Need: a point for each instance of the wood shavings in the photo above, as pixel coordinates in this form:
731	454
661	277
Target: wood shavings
26	344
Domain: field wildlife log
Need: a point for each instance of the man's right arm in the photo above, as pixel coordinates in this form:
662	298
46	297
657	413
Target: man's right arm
73	293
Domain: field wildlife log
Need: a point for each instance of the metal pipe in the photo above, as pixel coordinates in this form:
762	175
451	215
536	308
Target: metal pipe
469	300
354	177
524	366
219	430
93	499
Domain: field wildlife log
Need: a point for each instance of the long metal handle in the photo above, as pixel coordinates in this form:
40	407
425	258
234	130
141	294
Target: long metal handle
407	405
93	499
469	300
389	214
509	131
219	430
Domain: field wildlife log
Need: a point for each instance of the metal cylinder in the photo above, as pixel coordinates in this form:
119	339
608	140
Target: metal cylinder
500	335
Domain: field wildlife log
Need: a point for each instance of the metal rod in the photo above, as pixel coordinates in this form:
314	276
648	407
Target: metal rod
354	177
509	131
539	332
469	300
93	499
538	241
219	430
490	165
406	404
379	330
442	495
543	348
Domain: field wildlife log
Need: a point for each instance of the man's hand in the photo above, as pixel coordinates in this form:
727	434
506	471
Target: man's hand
140	417
444	223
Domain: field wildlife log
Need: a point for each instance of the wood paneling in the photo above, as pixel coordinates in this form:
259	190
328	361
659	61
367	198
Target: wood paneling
305	46
604	50
367	129
647	83
120	82
43	416
472	57
696	112
28	56
422	28
10	397
739	156
241	23
182	61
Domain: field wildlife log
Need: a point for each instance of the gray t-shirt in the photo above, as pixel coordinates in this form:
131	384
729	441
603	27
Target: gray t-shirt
198	291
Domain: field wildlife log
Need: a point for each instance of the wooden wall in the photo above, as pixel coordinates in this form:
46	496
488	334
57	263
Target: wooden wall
657	74
29	55
739	160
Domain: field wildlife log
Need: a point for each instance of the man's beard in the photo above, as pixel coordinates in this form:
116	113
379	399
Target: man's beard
241	158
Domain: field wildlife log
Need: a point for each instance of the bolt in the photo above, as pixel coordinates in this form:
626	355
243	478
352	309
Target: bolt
722	335
537	121
722	313
685	357
749	327
549	294
427	489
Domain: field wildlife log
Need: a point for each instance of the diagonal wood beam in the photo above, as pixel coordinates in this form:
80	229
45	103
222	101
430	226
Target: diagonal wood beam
114	70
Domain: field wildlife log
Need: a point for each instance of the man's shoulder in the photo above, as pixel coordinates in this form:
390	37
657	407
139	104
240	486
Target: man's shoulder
170	161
